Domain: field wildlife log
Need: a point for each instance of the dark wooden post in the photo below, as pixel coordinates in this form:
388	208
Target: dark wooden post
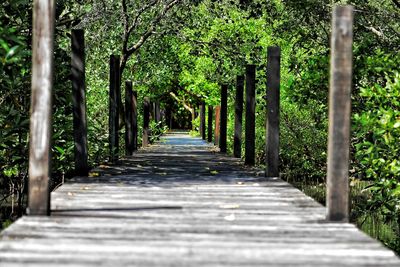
135	120
224	118
130	119
339	114
146	122
272	122
209	123
115	98
203	121
217	126
237	142
79	102
250	144
157	114
41	104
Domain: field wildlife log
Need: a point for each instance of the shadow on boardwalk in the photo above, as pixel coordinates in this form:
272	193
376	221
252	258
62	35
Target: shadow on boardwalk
177	203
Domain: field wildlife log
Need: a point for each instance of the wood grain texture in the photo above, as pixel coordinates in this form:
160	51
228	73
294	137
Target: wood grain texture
114	103
217	125
79	102
273	103
41	107
203	120
223	126
337	197
146	122
176	203
250	123
237	140
210	115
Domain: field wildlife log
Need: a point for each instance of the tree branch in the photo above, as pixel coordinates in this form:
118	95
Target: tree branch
151	28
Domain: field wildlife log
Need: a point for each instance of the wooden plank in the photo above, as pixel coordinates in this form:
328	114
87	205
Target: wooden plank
146	122
203	120
168	209
223	118
339	114
114	102
250	133
41	106
272	122
210	114
237	142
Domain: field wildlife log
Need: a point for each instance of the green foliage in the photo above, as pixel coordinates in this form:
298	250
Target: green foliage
377	132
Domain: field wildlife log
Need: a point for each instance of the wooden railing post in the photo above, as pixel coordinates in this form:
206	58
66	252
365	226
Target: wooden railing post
237	142
272	122
130	119
217	126
209	123
146	122
203	120
115	99
79	102
339	114
250	141
224	118
41	105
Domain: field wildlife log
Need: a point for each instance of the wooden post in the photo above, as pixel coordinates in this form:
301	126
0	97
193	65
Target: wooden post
134	120
130	119
79	102
224	118
115	98
41	105
250	144
157	114
217	127
339	114
146	122
203	121
272	122
237	142
209	123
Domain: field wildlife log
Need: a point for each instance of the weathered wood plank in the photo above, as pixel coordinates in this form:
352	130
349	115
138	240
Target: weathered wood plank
237	141
223	118
337	197
79	102
272	122
210	114
168	209
114	103
203	120
41	106
146	122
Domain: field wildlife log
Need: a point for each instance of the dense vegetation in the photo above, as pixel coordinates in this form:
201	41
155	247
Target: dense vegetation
178	52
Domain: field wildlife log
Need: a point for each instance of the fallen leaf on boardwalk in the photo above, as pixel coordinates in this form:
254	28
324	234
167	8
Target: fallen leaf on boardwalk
162	173
84	188
207	168
94	174
70	194
230	217
256	184
240	183
104	166
213	172
139	166
229	206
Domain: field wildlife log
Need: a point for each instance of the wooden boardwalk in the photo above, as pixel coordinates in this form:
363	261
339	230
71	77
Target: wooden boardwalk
179	204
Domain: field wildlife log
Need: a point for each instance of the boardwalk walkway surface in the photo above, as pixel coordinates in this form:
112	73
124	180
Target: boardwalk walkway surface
179	204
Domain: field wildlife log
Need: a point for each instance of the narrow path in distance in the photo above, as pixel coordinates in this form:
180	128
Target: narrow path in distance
178	203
